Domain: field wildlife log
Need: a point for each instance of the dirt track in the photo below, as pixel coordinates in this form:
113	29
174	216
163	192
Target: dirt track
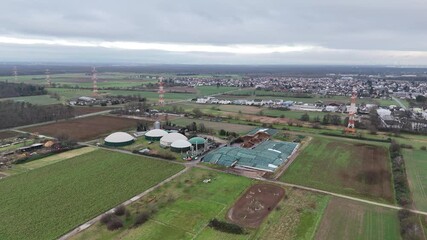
255	204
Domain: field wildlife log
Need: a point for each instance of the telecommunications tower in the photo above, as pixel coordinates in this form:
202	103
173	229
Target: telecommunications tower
161	92
48	82
352	111
15	73
94	80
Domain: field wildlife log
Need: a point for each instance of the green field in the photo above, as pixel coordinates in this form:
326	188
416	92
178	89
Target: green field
69	93
38	100
210	90
187	216
343	167
49	201
20	168
298	218
214	125
416	169
345	219
195	203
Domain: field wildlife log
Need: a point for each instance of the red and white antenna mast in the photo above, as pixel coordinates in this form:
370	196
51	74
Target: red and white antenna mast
352	111
15	73
161	92
48	81
94	80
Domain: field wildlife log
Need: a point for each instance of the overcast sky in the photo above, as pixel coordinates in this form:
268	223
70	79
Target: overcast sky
386	32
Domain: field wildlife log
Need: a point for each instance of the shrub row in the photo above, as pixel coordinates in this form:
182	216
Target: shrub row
226	227
400	180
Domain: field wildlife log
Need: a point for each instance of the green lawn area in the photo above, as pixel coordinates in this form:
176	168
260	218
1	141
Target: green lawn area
49	201
416	169
38	100
344	167
345	219
142	143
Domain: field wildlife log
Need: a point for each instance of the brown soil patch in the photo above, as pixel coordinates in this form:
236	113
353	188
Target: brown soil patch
8	134
85	128
255	204
86	110
372	176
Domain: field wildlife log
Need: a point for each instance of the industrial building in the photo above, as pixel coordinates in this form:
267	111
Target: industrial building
118	139
267	156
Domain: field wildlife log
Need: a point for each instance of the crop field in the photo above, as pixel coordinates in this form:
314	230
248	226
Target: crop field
296	217
49	201
69	93
105	79
344	167
345	219
239	128
190	204
416	169
86	110
37	100
20	168
82	129
210	90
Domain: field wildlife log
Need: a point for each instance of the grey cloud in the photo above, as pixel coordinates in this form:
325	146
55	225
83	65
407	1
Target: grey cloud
335	24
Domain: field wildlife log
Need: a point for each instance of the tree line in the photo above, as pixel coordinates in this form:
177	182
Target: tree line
15	114
20	89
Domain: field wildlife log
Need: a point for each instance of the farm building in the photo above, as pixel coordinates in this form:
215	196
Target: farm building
118	139
181	146
155	134
267	156
169	138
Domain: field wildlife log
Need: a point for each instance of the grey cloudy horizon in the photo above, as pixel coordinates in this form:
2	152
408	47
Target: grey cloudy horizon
218	32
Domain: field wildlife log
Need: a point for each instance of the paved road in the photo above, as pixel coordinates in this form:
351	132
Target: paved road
399	103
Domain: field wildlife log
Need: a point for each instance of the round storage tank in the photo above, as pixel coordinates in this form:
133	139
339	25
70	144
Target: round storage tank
181	146
157	125
155	134
168	139
118	139
197	141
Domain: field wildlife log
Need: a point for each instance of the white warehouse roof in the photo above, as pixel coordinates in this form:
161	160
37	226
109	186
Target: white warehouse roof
168	139
156	133
119	137
181	144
